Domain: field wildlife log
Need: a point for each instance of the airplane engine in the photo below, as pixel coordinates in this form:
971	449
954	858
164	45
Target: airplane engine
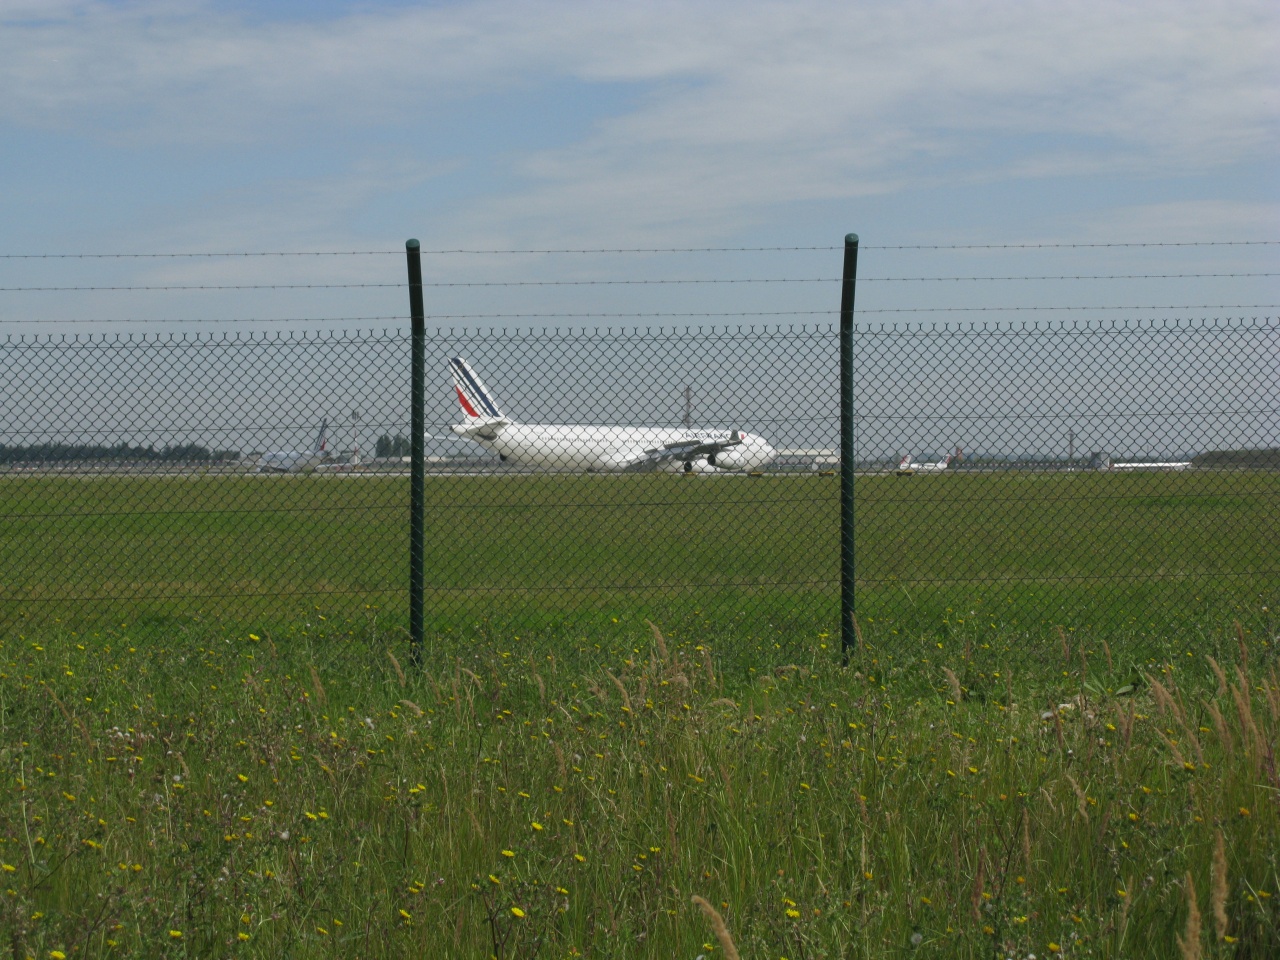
697	466
751	453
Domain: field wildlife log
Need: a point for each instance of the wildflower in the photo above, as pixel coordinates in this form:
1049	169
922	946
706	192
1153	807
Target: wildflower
1054	948
1244	811
493	879
242	936
7	867
580	858
175	934
242	778
406	916
793	913
517	912
508	853
57	955
536	825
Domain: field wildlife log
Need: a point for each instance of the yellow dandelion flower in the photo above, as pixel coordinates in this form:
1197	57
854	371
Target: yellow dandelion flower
7	867
536	825
508	853
242	778
242	936
405	915
793	913
1054	948
580	858
1244	811
517	912
493	879
175	934
57	955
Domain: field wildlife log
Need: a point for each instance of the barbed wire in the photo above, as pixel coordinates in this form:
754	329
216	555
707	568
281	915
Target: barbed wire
635	315
606	250
672	281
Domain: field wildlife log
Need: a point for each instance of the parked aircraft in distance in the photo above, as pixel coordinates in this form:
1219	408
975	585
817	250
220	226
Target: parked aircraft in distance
906	466
1166	465
590	448
298	461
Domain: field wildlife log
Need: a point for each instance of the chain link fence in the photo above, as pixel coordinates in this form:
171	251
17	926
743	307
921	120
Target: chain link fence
1112	477
1104	476
243	477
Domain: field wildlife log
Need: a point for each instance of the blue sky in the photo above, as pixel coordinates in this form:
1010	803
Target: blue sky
194	126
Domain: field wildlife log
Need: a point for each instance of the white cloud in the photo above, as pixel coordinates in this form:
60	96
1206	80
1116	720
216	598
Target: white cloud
738	107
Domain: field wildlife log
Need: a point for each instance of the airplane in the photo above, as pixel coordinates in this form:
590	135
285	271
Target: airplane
906	467
298	461
592	448
1166	465
1102	461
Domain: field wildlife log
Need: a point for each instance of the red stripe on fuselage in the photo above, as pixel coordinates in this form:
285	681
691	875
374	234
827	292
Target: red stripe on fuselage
470	410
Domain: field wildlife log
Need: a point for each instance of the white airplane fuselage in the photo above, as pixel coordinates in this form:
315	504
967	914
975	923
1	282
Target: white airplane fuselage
600	448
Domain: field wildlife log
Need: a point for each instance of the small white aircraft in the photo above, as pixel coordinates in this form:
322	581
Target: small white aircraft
614	449
1165	465
298	461
906	467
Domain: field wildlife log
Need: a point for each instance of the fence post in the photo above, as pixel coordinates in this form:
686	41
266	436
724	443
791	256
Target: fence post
847	604
417	469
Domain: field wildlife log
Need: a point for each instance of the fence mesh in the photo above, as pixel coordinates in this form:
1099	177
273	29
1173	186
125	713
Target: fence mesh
1120	475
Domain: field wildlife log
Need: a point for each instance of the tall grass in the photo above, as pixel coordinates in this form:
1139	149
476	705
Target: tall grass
213	792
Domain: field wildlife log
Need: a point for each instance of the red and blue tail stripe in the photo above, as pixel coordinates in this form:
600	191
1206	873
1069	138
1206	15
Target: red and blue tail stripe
472	394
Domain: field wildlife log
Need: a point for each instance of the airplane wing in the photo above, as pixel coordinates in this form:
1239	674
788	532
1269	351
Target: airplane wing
682	450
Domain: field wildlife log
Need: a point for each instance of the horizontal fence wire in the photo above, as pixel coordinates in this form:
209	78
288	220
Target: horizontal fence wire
616	250
1109	475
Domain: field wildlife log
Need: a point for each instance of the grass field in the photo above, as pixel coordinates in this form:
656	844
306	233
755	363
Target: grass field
745	562
214	741
201	792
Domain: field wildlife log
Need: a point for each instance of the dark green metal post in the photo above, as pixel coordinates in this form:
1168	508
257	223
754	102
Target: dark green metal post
418	452
848	634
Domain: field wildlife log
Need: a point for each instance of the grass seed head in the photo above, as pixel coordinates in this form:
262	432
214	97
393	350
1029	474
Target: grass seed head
1189	943
717	925
1218	891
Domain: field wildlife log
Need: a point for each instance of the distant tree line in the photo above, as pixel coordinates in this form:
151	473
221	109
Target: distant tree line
63	452
1268	459
398	446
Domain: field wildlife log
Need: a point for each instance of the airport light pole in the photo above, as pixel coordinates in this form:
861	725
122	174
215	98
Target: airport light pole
848	633
417	470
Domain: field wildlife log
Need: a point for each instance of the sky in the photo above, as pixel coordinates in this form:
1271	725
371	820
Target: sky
191	127
150	127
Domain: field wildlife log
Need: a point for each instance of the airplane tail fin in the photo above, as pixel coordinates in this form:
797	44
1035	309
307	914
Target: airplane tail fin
322	441
476	400
904	462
